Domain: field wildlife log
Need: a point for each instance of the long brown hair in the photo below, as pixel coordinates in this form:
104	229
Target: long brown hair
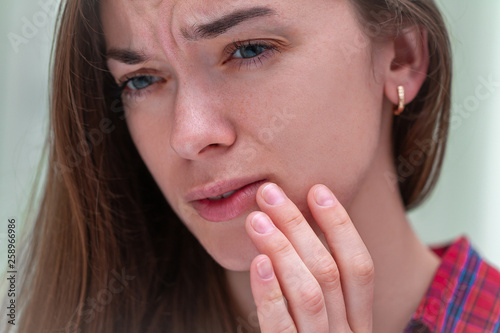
107	253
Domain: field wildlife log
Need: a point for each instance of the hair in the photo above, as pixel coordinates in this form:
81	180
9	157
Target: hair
108	254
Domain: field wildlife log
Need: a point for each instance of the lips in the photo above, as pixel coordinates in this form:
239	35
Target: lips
220	187
225	200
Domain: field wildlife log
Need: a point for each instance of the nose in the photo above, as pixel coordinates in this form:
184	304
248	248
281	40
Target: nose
201	127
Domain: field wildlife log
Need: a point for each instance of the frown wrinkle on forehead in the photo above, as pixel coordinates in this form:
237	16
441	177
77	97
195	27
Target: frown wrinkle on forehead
192	19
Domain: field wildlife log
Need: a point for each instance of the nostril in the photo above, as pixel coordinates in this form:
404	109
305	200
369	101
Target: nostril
208	147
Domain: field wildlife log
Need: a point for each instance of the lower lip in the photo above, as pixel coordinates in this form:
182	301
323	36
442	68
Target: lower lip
228	208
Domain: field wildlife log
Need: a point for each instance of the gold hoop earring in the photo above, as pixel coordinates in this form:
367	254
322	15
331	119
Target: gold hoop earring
401	105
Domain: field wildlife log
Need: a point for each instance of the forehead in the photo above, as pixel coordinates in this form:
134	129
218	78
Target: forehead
180	14
176	13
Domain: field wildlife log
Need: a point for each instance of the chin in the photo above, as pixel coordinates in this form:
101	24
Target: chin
234	262
233	253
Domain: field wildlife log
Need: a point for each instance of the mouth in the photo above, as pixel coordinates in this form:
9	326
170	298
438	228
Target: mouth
223	196
217	204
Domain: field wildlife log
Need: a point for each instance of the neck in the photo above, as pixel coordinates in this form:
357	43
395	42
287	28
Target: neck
404	266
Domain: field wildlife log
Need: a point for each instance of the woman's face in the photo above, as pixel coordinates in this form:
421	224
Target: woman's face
287	92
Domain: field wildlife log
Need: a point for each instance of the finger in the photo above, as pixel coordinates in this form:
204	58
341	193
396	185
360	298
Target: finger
350	253
302	291
271	307
318	260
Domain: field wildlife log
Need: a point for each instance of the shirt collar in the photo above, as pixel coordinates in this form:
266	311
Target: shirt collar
447	282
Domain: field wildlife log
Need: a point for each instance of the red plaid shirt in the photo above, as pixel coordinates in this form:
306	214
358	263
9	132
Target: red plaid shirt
464	295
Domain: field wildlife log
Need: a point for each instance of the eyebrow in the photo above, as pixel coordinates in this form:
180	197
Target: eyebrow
127	56
197	31
226	22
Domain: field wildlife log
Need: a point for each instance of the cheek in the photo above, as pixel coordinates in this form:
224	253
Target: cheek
150	135
143	130
330	133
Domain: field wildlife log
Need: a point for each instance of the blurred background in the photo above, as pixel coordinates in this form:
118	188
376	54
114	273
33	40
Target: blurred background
465	202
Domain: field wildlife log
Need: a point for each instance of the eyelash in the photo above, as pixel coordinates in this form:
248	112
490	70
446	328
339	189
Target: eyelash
268	51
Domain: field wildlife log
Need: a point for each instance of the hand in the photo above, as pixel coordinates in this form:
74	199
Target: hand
323	293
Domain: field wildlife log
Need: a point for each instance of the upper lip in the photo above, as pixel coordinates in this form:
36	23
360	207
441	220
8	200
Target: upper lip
216	188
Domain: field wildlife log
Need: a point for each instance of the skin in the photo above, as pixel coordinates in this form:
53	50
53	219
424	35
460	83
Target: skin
326	110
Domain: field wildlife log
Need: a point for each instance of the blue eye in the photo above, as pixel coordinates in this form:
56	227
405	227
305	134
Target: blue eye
250	51
141	82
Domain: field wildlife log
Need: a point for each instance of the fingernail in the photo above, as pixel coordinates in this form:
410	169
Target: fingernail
262	224
323	196
265	269
273	195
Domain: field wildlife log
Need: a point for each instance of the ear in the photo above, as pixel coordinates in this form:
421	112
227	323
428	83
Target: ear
409	65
